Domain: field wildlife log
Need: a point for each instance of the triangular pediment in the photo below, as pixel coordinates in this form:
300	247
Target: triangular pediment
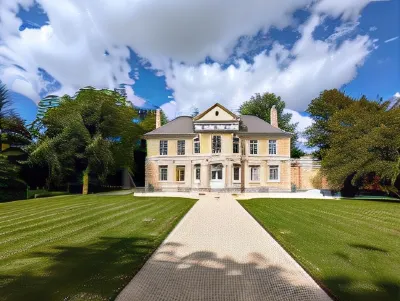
216	113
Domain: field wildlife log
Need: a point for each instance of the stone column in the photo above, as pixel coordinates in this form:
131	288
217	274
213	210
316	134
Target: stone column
228	175
204	175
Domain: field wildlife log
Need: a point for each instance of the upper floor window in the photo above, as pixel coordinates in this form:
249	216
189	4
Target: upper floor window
163	147
181	147
216	144
253	147
272	147
196	145
235	145
163	173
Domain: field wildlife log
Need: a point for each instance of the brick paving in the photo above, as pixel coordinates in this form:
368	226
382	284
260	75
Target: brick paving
219	252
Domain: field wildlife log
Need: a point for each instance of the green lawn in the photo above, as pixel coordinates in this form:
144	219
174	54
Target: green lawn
80	247
352	247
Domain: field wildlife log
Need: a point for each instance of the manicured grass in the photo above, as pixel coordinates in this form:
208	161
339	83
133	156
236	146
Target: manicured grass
80	247
351	247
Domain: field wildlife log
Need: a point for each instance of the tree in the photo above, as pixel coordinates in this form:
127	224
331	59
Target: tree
321	109
260	106
148	124
364	146
93	134
195	112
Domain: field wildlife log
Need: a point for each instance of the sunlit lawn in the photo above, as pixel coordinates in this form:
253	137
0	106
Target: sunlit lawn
352	247
80	247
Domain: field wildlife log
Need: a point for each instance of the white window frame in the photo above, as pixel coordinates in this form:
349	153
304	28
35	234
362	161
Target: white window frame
178	176
216	169
161	168
197	168
212	144
253	143
163	147
233	173
196	141
254	168
235	141
269	173
276	147
180	147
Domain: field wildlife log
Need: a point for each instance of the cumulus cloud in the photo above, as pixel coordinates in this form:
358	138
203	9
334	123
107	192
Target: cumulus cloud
298	75
175	37
134	99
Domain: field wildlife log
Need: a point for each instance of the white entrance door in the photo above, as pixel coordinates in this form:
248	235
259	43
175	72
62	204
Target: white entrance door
217	176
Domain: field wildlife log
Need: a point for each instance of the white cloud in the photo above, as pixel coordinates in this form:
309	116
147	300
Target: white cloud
303	121
397	94
170	109
309	67
134	99
392	39
166	33
373	28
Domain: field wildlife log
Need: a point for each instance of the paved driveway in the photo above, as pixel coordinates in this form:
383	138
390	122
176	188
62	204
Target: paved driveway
219	252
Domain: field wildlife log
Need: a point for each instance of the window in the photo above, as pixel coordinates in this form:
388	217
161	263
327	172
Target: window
272	147
197	172
163	173
216	144
235	145
216	172
253	147
274	173
181	147
196	145
180	173
163	147
255	173
236	173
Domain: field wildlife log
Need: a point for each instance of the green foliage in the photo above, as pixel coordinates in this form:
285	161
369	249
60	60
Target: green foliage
94	132
321	109
260	106
364	142
148	124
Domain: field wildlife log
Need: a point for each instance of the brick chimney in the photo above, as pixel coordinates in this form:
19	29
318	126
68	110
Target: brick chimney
274	117
158	118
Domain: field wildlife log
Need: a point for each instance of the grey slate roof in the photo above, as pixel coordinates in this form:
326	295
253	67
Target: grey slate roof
180	125
184	125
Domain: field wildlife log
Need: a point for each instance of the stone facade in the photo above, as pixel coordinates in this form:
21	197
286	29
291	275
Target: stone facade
223	159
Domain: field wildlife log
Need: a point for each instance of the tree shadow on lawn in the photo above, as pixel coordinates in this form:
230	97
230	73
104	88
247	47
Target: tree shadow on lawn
98	271
205	276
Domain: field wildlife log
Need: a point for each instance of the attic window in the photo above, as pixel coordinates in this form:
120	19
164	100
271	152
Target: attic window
216	113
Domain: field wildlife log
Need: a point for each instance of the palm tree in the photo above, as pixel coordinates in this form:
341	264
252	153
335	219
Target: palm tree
13	133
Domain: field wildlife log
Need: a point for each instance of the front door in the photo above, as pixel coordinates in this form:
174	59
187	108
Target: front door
217	176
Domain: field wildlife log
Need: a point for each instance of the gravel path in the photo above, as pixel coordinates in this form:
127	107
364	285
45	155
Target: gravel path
219	252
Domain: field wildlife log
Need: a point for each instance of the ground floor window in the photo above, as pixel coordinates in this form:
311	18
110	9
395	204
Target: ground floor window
255	173
216	172
163	173
180	173
197	172
274	173
236	173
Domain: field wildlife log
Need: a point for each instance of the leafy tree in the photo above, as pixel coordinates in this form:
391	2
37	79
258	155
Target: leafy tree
260	106
364	146
149	122
195	112
321	109
91	134
9	173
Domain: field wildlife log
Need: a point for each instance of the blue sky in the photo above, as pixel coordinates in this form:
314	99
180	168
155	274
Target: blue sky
180	55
